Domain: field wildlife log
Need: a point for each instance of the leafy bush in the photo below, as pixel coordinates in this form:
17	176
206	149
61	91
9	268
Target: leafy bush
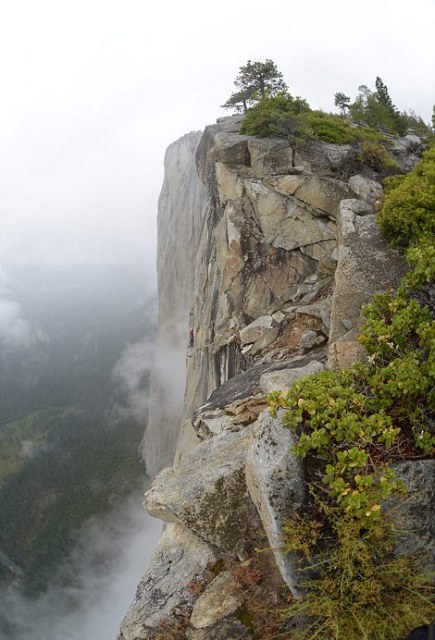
352	425
408	208
336	129
274	116
374	155
284	116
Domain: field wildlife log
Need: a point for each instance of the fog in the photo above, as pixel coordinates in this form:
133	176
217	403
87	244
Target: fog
130	375
92	94
101	577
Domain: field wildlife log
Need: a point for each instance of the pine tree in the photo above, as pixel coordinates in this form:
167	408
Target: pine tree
383	96
255	82
342	101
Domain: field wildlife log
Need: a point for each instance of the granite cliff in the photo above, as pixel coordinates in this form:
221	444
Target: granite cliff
268	252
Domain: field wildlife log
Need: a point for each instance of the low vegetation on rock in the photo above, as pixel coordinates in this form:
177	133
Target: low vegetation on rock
408	210
353	425
367	122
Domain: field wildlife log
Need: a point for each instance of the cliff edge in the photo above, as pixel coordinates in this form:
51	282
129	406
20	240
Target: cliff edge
268	257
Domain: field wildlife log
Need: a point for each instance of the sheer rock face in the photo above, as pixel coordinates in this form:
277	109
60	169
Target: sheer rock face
269	260
181	209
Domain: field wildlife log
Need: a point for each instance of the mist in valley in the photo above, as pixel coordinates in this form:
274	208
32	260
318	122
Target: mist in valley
76	348
91	592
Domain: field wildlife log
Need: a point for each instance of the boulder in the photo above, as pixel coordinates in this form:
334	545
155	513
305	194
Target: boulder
220	599
262	326
229	183
285	185
322	158
227	629
323	194
270	156
230	149
414	516
321	310
179	559
207	492
275	482
366	189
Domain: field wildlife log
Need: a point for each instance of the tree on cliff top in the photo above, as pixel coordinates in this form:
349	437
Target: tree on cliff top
255	82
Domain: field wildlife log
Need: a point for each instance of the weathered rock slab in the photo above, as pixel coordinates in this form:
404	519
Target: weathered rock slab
220	599
226	629
178	559
270	156
323	194
283	380
366	265
275	482
257	329
414	515
365	188
207	492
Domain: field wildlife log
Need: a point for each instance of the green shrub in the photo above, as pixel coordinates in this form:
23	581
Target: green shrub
357	588
352	425
285	116
274	116
408	208
374	155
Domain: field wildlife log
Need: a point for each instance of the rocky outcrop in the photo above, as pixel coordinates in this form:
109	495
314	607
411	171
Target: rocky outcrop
282	255
365	266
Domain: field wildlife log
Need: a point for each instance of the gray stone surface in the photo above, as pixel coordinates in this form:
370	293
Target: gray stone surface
365	266
365	188
207	492
414	515
283	380
259	238
270	157
179	558
181	208
227	629
320	309
323	194
220	599
276	485
257	329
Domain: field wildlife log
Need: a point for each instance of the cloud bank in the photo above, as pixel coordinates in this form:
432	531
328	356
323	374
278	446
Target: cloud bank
102	574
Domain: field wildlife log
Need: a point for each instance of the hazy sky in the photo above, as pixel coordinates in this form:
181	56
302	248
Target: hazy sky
94	91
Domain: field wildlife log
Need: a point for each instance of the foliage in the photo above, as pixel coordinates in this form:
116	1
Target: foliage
352	425
408	208
358	589
291	117
275	116
342	101
356	421
255	82
376	156
61	460
416	123
377	110
82	467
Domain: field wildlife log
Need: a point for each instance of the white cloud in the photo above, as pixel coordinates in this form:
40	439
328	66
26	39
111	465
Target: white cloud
15	330
102	574
130	375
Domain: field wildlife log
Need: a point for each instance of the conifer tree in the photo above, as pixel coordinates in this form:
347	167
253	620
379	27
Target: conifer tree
255	82
342	101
